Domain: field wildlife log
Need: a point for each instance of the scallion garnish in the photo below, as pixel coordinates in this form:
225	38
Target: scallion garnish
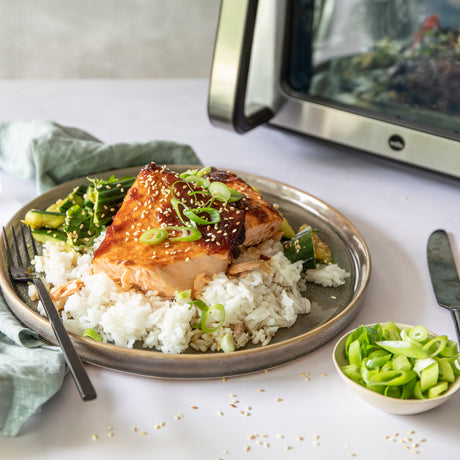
219	191
205	311
154	236
92	334
183	233
158	235
193	215
199	186
406	363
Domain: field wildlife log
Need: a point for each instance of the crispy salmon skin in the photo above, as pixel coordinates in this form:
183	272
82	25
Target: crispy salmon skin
157	200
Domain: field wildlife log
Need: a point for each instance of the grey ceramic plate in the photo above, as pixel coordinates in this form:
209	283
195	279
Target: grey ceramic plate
332	308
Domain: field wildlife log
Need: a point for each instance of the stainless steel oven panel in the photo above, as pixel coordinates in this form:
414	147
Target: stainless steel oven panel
371	135
246	90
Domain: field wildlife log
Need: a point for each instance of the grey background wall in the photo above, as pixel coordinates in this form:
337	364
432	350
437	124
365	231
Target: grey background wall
42	39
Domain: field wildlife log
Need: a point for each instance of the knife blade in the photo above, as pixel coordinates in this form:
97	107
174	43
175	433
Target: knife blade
444	275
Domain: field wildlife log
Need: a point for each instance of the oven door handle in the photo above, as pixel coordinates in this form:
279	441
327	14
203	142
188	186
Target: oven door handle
230	68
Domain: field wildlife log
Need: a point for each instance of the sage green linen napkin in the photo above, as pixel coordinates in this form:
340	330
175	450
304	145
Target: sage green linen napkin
31	371
51	153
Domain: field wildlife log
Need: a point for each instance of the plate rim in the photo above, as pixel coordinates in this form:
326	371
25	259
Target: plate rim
89	348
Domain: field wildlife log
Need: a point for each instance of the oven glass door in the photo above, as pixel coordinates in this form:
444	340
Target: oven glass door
394	60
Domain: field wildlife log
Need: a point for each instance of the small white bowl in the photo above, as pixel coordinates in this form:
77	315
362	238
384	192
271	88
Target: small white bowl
386	403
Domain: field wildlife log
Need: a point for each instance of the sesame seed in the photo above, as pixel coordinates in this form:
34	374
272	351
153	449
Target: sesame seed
247	448
94	437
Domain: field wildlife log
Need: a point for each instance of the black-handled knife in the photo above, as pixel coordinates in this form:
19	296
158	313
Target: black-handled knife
444	275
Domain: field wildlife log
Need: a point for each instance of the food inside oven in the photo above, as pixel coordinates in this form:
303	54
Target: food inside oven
390	58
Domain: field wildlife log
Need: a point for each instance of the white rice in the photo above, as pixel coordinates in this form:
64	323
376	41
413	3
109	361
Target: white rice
257	303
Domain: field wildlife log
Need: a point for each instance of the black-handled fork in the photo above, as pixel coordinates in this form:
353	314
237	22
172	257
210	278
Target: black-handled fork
21	269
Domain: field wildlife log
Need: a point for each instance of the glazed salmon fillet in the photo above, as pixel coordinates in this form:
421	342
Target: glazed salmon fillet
175	266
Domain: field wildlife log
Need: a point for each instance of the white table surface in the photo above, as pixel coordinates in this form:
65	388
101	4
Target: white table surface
395	208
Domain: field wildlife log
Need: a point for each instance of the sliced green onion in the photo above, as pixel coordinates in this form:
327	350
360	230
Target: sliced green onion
197	180
219	191
391	331
407	390
235	195
429	376
401	362
203	171
393	391
435	345
437	389
456	366
353	372
183	295
450	348
227	344
154	236
377	359
189	172
418	391
401	347
446	371
367	373
92	334
404	367
192	214
184	234
175	204
393	377
422	364
205	311
199	304
204	318
418	333
354	353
